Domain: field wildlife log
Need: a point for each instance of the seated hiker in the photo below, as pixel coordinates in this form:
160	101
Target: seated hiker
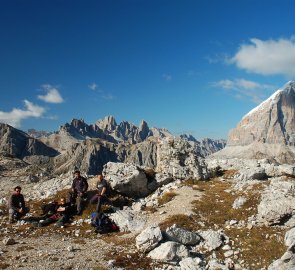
48	209
61	215
16	205
78	193
100	197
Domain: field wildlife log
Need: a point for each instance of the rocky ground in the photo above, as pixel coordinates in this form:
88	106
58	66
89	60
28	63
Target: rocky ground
222	214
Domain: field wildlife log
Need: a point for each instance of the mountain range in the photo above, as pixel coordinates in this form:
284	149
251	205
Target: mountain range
78	145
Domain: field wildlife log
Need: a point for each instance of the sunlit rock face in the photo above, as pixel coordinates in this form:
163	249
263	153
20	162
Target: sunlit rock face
267	131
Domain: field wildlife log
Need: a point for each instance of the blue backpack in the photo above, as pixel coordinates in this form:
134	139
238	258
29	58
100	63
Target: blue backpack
102	223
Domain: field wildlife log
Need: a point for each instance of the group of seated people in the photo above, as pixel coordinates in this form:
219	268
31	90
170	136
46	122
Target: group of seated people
59	211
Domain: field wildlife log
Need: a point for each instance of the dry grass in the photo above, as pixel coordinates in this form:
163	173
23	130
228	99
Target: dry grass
228	174
166	197
215	207
182	221
260	245
126	255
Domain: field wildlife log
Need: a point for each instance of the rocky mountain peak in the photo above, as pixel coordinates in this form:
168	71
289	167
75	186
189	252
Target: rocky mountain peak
144	130
268	130
107	124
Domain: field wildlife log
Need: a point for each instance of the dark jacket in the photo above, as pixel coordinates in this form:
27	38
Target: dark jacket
80	185
16	202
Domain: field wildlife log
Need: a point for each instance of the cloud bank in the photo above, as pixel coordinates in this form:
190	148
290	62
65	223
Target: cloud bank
267	57
15	117
52	96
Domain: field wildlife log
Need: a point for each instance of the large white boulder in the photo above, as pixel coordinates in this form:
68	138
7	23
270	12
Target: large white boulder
169	252
212	239
277	202
127	179
149	238
127	221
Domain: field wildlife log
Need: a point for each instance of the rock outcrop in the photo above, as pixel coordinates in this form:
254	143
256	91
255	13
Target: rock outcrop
267	131
17	143
177	158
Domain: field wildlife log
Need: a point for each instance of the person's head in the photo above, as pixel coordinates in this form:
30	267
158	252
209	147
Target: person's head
62	200
77	174
17	189
99	177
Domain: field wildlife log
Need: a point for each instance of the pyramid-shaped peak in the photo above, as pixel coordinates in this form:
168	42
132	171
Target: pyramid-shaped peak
108	123
143	125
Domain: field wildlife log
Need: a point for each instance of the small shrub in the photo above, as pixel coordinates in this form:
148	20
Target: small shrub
166	197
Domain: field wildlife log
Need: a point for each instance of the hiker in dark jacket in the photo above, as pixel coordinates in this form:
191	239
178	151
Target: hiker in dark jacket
78	192
100	197
16	205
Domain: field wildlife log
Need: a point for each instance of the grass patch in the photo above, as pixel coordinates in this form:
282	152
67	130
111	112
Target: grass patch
215	207
260	246
182	221
166	197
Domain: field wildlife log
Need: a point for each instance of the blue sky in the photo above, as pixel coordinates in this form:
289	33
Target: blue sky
190	66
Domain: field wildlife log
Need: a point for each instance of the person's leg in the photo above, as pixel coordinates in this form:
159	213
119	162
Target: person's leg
100	201
62	220
79	205
12	215
94	199
71	198
47	221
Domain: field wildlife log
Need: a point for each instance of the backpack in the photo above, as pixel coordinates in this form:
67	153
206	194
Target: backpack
102	223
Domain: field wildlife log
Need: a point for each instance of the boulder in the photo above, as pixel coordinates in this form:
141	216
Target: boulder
127	221
149	238
290	237
286	262
255	173
277	202
191	264
212	239
182	236
169	252
126	179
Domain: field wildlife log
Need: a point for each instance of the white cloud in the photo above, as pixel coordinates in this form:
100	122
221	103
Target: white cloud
267	57
52	96
167	77
92	86
108	97
242	88
15	117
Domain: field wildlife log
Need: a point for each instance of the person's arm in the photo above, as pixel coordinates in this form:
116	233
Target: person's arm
22	201
11	205
74	185
85	185
103	191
